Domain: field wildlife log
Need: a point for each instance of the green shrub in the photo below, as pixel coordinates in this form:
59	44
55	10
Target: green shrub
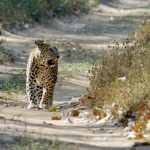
15	83
21	10
14	11
62	7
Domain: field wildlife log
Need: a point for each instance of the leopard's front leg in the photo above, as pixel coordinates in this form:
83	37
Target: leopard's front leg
47	97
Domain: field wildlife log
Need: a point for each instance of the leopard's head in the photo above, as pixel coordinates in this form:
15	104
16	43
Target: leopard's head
49	52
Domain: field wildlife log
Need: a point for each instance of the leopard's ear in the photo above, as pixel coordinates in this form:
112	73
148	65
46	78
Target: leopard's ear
39	42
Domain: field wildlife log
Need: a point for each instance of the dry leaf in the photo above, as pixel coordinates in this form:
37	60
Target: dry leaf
74	113
138	126
99	113
56	118
96	111
142	106
132	135
139	136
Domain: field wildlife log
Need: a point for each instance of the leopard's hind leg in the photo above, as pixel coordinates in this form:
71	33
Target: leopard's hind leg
47	97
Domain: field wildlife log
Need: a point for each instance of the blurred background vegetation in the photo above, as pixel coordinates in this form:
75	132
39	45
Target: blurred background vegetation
27	11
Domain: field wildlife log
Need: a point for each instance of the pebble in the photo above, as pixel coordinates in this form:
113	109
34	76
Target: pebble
110	131
26	25
131	135
122	78
127	128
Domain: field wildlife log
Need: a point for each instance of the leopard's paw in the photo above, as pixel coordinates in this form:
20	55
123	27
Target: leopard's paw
43	106
31	106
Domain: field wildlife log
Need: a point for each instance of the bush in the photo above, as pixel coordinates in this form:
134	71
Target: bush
122	74
62	7
14	11
21	10
16	83
119	82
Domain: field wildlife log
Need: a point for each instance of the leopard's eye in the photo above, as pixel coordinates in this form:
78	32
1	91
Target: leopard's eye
50	62
54	47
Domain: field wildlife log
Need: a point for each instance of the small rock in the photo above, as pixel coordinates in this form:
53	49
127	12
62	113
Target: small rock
122	78
26	25
131	135
127	128
74	49
68	120
110	131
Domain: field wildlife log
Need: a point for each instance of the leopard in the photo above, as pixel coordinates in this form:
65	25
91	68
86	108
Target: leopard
41	74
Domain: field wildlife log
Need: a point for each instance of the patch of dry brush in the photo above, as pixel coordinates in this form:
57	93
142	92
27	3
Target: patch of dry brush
121	77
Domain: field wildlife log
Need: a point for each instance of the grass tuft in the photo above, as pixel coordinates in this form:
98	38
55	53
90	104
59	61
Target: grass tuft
71	69
16	83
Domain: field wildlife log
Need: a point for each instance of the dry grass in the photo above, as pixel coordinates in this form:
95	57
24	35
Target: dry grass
122	74
16	83
120	79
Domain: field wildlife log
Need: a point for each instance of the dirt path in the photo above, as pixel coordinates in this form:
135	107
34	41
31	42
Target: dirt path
112	20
